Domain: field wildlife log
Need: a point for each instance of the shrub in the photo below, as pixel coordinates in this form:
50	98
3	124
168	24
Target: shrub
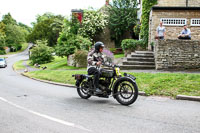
93	23
131	44
82	43
41	53
73	42
80	58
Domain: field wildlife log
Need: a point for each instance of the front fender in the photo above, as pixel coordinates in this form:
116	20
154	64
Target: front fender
119	80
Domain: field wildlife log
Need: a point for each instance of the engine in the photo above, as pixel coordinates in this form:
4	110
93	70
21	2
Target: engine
104	84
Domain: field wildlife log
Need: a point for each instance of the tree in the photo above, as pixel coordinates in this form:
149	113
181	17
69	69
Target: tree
122	18
2	43
68	41
27	28
7	19
68	45
14	36
47	27
41	53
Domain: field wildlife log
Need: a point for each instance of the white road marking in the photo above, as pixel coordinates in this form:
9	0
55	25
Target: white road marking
46	116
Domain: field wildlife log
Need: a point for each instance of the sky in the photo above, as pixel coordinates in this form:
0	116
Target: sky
25	11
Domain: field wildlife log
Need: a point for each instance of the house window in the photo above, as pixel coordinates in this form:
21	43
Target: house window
174	21
195	22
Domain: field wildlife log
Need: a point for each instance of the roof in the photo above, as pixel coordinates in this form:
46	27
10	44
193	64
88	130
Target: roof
175	8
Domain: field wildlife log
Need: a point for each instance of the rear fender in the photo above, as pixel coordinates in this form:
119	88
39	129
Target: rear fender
79	78
126	78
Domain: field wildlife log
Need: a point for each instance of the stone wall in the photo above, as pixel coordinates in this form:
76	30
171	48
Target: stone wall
178	3
194	3
172	3
173	31
177	54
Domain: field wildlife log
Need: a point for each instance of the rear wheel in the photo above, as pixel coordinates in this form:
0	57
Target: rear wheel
83	90
127	92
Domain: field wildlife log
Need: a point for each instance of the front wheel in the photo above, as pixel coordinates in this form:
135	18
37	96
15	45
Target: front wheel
127	92
83	90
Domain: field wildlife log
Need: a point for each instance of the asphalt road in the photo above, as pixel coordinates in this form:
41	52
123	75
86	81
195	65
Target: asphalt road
29	106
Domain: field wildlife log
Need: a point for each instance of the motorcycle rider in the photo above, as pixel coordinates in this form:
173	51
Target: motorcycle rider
95	59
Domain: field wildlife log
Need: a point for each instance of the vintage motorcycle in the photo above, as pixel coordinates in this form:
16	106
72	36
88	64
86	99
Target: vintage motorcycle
123	88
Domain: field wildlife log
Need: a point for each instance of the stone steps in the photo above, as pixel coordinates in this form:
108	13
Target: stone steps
125	62
142	55
139	60
139	67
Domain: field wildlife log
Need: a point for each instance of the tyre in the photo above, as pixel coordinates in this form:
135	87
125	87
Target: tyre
83	90
127	92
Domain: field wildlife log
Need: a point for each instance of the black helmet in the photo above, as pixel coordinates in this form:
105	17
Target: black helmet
98	45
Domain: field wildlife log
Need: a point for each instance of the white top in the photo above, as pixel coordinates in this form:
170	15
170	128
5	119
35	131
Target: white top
160	31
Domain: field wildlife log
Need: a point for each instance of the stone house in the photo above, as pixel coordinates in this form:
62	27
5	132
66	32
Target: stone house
174	14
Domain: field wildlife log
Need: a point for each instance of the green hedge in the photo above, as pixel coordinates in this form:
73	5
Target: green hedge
131	44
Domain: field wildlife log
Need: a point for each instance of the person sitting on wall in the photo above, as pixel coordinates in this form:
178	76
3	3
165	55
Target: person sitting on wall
185	33
160	32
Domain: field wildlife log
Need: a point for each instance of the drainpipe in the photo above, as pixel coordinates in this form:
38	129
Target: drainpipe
186	3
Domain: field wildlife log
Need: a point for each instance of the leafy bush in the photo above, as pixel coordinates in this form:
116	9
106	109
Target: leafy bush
83	43
80	58
41	53
68	46
93	23
131	44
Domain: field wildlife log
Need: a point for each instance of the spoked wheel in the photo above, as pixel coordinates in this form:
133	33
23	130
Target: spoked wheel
83	90
127	92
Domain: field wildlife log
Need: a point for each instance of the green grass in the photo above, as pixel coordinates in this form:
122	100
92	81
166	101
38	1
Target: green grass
59	64
162	84
24	46
19	65
60	76
119	55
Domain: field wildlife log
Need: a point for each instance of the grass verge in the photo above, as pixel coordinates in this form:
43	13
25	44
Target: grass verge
19	65
59	64
119	56
162	84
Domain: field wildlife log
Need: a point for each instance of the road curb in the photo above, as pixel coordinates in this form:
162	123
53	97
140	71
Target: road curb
190	98
67	85
141	93
61	84
50	82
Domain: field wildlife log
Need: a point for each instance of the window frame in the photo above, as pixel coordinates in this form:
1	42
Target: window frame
191	22
174	20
